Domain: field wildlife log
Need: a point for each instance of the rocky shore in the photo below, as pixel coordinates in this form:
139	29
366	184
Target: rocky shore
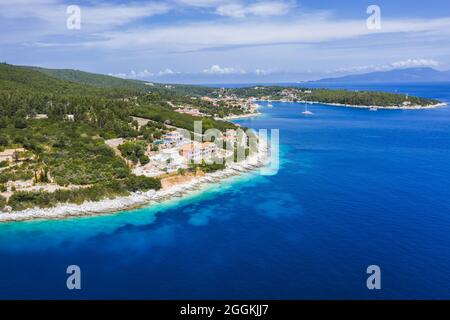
138	199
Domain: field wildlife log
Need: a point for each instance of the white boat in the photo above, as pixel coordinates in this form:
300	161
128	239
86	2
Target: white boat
307	112
373	109
270	105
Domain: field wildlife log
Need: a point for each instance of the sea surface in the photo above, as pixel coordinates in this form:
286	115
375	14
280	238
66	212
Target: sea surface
355	188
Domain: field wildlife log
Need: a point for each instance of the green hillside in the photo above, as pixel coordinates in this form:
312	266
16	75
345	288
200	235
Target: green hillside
106	81
60	120
26	91
92	79
30	80
16	78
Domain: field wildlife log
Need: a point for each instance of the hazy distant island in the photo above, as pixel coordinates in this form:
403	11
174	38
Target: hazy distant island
74	143
407	75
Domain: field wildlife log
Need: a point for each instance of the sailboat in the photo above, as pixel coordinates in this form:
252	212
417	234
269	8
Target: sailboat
307	112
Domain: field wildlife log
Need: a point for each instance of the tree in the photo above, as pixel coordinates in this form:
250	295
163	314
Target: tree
157	135
20	123
154	148
144	160
4	141
3	123
2	202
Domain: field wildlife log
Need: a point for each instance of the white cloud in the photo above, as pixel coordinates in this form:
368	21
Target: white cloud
402	64
48	17
116	15
134	75
218	70
260	33
232	10
415	63
145	74
213	70
167	72
201	3
105	26
313	28
118	75
259	9
262	72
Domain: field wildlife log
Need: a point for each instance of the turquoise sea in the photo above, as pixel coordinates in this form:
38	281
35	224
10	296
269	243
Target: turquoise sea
355	188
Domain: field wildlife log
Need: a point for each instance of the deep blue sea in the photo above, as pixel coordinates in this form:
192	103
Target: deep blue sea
355	188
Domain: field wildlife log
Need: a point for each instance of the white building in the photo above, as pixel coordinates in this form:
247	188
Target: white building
406	103
169	159
198	151
175	138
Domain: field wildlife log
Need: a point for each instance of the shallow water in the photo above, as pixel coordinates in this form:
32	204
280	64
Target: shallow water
355	188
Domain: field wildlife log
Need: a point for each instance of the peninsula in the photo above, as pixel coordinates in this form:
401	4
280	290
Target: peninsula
77	143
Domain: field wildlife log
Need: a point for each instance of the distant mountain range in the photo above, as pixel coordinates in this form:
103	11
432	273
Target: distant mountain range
410	75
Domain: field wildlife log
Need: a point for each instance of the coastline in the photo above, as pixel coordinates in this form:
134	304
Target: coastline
137	199
248	115
431	106
141	199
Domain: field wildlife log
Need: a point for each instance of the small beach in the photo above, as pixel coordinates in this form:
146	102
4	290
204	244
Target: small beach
242	116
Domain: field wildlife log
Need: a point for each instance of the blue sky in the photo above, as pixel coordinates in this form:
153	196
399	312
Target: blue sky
214	41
